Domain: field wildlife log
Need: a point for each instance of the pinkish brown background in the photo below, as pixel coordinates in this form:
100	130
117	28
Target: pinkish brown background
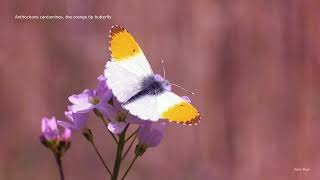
254	66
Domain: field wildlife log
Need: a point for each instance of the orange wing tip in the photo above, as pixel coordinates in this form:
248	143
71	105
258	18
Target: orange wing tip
194	122
116	29
182	113
122	45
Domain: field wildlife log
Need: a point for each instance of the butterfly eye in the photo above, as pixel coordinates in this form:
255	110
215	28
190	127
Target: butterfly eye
134	50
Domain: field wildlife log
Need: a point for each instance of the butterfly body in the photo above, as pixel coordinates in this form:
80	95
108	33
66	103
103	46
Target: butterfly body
151	85
137	88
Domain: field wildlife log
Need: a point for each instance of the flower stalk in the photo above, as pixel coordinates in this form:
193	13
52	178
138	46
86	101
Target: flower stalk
118	160
127	151
59	163
87	133
131	164
101	158
134	133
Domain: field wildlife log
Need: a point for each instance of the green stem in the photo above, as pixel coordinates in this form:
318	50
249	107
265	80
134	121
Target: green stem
134	133
117	163
125	154
131	164
59	163
100	157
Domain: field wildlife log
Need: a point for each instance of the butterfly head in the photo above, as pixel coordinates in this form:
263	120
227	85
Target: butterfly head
164	83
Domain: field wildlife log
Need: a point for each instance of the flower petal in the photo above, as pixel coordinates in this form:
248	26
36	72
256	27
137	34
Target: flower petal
108	111
106	97
78	120
66	125
116	127
102	86
134	120
79	98
116	104
151	134
82	108
66	134
49	128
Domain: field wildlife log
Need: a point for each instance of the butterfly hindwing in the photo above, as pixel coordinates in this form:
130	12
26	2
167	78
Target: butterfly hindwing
176	109
166	105
144	107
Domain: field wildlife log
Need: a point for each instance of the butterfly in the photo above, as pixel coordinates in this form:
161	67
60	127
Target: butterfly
140	91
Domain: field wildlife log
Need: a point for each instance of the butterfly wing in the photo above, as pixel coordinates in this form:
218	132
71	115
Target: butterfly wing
166	105
176	109
128	65
144	107
125	72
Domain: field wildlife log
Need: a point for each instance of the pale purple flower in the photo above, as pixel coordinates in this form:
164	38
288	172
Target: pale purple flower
118	116
91	99
150	134
77	121
116	127
50	131
98	99
84	103
49	128
52	139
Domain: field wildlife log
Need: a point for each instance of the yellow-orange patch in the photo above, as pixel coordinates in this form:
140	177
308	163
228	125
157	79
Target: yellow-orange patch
183	113
122	44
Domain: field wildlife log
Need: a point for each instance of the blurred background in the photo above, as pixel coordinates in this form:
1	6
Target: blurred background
254	66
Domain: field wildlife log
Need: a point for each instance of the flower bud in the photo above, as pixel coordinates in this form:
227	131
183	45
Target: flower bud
51	138
87	133
140	149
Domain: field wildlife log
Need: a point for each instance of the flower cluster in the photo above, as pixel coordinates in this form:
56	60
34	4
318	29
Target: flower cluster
106	107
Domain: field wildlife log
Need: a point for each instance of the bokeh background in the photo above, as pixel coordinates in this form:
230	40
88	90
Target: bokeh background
254	66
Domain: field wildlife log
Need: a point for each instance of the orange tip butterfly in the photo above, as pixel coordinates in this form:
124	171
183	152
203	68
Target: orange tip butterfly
140	91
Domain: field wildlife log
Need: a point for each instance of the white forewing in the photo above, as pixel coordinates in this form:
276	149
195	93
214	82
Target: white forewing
123	83
124	77
137	64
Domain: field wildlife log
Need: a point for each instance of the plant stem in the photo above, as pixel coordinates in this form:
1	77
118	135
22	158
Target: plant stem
100	157
131	164
125	154
134	133
59	163
117	163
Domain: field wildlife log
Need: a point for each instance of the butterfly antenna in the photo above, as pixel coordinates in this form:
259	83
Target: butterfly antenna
163	69
164	76
183	88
